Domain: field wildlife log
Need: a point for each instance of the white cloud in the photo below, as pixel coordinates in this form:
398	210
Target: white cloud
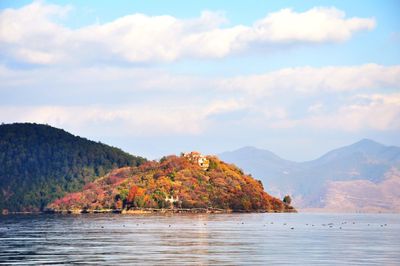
313	80
134	120
315	108
220	107
32	34
377	112
315	25
299	80
111	78
132	100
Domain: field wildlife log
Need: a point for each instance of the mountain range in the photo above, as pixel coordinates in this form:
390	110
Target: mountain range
361	177
39	164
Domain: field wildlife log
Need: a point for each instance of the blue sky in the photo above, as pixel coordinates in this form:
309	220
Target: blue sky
161	77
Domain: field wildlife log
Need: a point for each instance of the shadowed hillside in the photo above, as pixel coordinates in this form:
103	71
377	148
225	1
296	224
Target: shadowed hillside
39	163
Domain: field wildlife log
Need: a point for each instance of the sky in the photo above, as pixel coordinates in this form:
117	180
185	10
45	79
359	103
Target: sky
298	78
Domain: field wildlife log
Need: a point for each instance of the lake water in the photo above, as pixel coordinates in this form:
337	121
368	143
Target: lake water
219	239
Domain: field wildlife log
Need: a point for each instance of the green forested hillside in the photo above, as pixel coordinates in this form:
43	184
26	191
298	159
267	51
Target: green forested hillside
39	163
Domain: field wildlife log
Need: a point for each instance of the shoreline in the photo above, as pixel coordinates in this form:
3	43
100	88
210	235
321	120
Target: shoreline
148	211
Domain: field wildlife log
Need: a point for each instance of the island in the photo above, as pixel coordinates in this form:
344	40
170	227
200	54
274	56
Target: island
190	182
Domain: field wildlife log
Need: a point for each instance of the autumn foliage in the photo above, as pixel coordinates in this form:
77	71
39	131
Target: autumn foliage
222	186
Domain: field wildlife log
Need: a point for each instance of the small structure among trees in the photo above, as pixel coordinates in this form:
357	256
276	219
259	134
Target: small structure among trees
197	157
171	200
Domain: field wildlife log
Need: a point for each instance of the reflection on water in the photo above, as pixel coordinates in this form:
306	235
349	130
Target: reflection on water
254	239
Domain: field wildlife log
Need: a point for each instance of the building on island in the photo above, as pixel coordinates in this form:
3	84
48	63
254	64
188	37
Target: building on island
197	157
172	200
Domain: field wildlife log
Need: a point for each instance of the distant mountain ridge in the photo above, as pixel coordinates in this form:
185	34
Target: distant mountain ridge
39	163
314	184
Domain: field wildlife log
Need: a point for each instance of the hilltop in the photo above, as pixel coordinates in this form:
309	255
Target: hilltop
40	163
188	181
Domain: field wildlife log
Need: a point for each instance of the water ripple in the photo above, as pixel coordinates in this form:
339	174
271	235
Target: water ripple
229	239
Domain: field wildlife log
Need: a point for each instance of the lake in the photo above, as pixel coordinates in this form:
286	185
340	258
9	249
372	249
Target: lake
201	239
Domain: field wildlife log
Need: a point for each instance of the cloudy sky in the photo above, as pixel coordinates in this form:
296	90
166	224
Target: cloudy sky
161	77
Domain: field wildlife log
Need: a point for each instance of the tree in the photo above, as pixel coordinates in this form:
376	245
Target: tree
287	200
132	194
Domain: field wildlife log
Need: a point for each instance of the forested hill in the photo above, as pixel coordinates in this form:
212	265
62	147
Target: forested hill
39	163
182	182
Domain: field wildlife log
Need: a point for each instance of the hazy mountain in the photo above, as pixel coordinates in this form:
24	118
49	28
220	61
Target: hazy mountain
351	178
39	163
